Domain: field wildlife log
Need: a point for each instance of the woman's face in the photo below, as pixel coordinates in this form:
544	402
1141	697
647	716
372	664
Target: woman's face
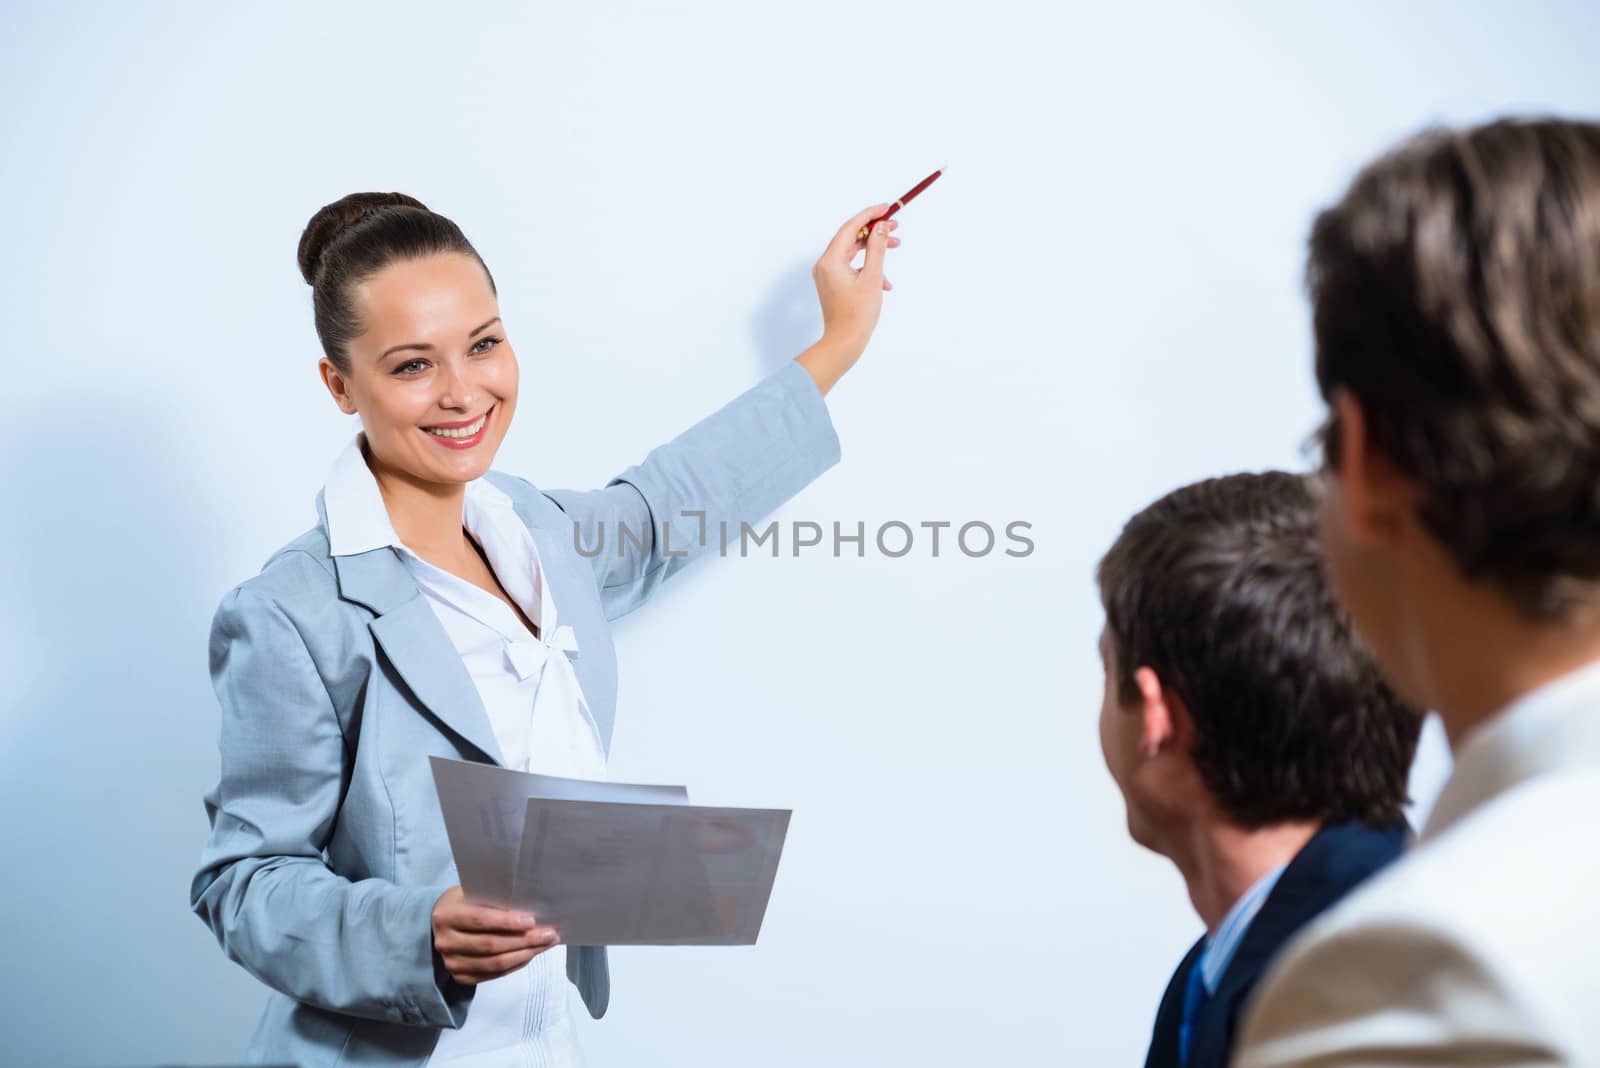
434	357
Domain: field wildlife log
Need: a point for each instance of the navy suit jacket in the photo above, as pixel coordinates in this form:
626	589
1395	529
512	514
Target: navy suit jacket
1330	865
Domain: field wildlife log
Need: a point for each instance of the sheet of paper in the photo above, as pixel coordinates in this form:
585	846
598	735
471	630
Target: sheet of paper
484	806
611	874
557	788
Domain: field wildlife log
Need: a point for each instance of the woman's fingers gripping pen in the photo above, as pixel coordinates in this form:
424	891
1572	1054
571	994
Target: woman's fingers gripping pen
897	205
844	246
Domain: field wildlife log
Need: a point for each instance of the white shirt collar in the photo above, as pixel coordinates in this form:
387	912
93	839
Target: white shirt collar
1553	725
358	520
1537	710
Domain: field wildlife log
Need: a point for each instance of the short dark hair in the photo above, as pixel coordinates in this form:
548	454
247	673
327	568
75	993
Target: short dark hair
1456	295
1219	588
355	237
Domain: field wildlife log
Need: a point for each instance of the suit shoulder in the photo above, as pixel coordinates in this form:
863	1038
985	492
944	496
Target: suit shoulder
298	572
1496	909
533	503
516	487
1481	872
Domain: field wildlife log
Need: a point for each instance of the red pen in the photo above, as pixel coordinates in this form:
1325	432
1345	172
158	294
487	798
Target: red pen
861	234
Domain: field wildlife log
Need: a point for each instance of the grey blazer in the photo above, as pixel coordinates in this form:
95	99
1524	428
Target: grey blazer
337	682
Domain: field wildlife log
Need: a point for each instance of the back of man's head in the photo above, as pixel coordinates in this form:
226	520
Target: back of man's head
1219	589
1456	296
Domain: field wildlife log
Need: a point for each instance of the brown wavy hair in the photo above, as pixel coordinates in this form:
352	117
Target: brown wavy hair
1456	294
1219	588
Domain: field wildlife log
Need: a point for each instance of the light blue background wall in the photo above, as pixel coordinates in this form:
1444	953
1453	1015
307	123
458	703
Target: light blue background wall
1100	300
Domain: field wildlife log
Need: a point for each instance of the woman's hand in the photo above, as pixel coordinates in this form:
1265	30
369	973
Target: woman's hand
482	942
851	297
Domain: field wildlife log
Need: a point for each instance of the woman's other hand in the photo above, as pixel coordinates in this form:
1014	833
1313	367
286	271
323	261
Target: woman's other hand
851	297
482	942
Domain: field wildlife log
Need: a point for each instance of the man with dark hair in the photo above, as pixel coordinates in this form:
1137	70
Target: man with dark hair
1456	300
1255	743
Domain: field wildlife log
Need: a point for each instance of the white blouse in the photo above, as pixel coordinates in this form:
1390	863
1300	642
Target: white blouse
540	718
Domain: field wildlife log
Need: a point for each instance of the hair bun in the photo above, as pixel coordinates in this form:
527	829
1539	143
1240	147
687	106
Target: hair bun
331	220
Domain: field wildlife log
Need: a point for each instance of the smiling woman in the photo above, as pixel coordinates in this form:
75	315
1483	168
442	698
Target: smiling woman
439	607
408	315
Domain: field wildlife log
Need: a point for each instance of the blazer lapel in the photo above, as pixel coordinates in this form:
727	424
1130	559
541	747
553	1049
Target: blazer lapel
414	641
1163	1052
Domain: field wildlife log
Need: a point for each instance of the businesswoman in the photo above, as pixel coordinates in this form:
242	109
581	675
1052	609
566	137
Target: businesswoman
441	607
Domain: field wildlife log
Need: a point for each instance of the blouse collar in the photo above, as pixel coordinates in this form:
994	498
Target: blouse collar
358	520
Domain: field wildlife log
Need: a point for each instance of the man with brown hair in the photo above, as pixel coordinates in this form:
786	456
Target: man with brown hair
1253	740
1456	301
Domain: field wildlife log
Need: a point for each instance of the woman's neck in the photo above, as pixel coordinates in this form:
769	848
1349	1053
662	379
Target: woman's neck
427	516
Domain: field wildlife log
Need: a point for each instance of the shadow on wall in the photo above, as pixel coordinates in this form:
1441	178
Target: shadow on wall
787	323
108	741
789	320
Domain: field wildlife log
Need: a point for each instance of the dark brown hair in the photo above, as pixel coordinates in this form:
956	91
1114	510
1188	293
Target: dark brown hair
1218	587
1456	294
355	237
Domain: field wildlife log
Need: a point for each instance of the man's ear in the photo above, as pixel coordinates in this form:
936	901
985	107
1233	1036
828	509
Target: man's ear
1374	495
1157	723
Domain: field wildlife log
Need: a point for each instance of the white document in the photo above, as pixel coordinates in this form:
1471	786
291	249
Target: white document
484	805
610	864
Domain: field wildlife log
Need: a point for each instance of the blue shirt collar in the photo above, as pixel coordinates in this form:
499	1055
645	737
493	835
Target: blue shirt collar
1221	946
